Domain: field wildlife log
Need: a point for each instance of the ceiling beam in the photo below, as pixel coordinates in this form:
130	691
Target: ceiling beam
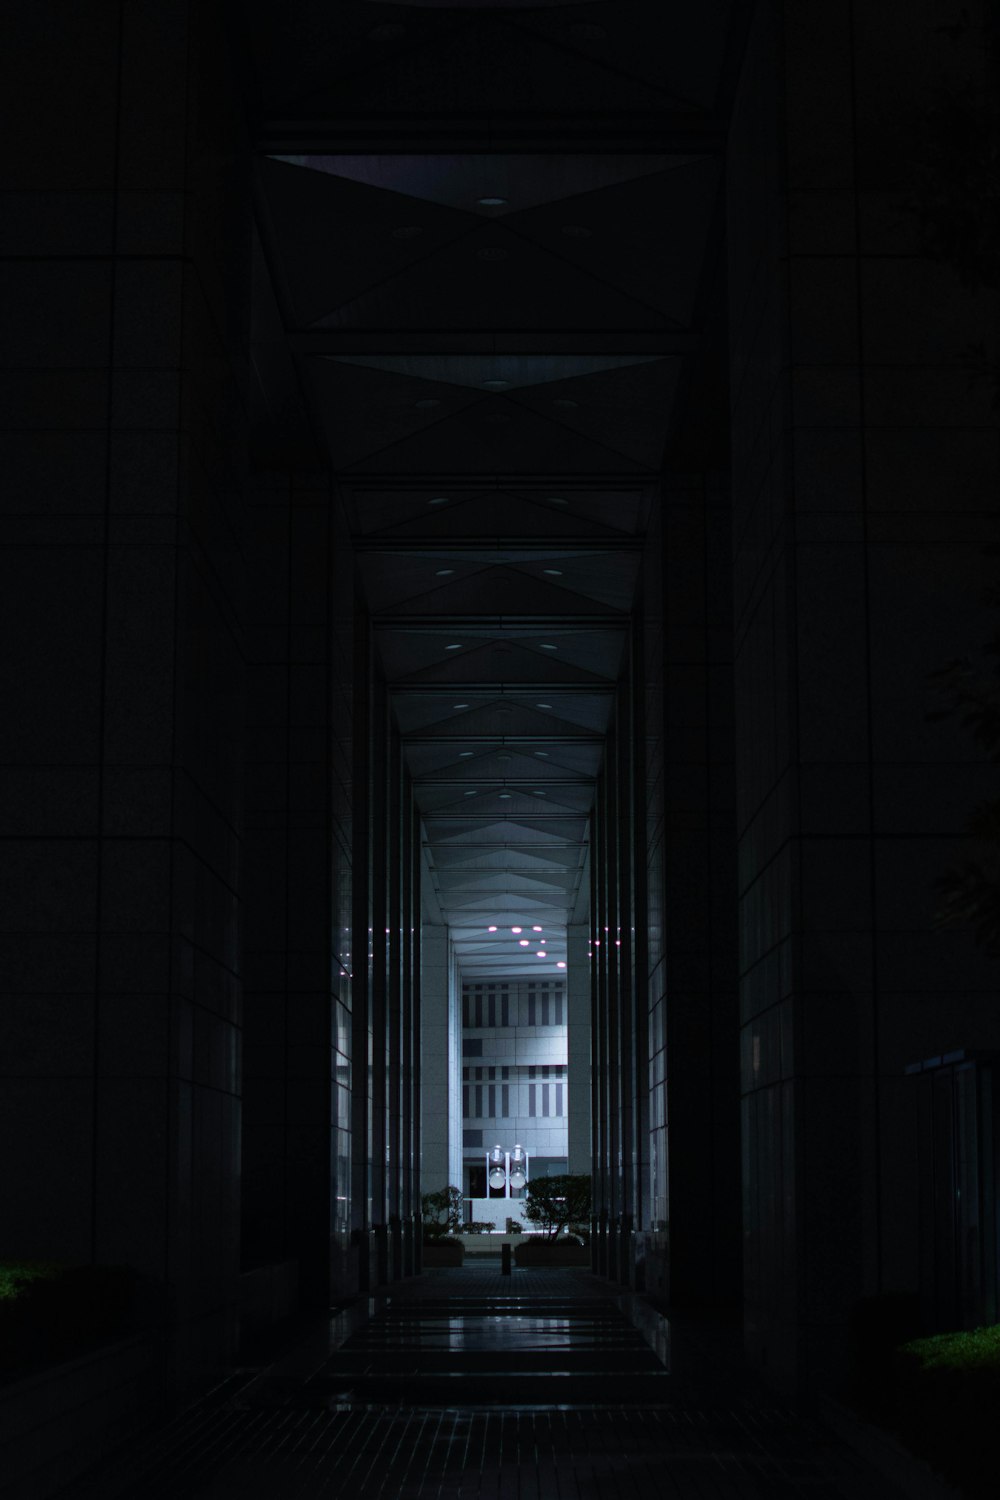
498	689
636	132
502	542
327	342
487	625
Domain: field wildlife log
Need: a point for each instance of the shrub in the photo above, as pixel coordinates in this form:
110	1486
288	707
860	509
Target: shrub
949	1394
442	1212
553	1203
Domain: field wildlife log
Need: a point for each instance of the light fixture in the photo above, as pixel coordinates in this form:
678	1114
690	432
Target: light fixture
498	1168
524	943
505	796
536	929
553	572
459	705
496	385
491	929
560	964
542	754
516	930
456	646
444	572
547	646
541	953
543	705
539	794
491	202
465	755
518	1169
470	794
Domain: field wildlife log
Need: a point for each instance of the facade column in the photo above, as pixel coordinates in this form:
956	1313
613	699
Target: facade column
865	480
436	1063
578	1020
126	346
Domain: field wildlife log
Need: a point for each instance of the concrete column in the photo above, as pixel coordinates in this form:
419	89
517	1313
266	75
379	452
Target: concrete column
436	1064
578	1054
865	479
121	804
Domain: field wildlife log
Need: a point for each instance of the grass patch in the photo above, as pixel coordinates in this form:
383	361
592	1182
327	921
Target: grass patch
948	1398
973	1349
50	1311
17	1276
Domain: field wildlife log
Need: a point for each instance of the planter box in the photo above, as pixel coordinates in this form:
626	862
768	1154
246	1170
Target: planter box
269	1298
438	1253
56	1423
538	1252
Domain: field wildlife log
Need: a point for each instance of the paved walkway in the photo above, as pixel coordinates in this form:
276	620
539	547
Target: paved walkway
467	1385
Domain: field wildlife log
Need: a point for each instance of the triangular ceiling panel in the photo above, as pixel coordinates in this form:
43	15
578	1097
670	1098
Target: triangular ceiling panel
484	64
307	214
472	435
488	186
495	278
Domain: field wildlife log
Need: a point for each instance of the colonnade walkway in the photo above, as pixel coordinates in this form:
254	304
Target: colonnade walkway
470	1385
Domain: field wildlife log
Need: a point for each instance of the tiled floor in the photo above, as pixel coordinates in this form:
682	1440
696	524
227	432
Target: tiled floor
466	1385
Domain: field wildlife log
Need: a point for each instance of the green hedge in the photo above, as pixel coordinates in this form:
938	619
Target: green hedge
50	1311
948	1403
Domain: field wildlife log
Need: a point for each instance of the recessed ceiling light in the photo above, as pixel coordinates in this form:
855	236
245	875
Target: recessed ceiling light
547	646
464	754
560	964
505	796
470	794
557	500
536	929
516	930
456	647
491	202
427	403
564	403
438	500
539	794
543	705
542	953
444	572
524	943
491	929
504	756
459	705
544	754
496	385
553	572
